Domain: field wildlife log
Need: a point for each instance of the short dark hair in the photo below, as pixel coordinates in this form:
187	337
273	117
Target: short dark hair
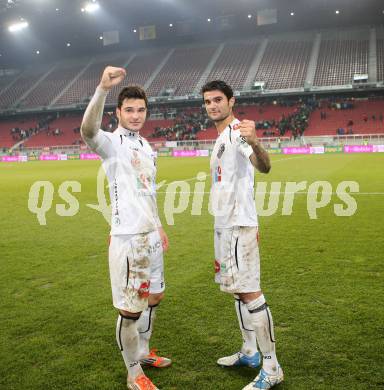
132	92
218	85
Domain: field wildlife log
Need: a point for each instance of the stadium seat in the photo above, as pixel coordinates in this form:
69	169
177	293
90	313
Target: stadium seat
284	64
339	60
233	64
182	71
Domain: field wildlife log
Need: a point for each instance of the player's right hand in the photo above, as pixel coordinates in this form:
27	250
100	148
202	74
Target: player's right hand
112	76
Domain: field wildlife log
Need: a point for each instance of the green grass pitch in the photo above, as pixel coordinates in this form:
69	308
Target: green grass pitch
323	279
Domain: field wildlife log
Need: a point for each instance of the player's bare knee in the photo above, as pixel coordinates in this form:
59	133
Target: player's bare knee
155	299
129	315
248	297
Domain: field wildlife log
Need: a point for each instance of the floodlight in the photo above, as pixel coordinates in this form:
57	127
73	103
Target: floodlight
16	27
91	7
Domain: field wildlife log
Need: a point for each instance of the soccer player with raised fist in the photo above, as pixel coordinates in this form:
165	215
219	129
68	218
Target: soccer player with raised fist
137	237
236	154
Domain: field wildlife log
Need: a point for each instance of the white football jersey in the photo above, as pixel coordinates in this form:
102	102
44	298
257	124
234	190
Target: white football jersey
130	166
232	193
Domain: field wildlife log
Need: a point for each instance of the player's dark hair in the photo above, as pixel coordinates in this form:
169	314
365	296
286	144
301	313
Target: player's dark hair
132	92
218	85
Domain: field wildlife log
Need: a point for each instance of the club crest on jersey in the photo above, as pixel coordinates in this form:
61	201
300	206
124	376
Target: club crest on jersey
242	141
143	290
221	150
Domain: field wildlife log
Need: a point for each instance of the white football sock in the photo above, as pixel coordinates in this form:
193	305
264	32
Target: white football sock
249	346
145	328
127	338
262	323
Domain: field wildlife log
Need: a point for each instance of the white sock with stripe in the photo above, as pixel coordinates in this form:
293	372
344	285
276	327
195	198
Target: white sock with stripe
127	338
249	346
145	328
262	323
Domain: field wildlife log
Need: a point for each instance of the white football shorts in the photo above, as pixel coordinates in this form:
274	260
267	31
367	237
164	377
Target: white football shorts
136	269
237	259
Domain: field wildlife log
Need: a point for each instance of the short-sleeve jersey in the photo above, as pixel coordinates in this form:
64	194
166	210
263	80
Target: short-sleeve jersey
130	166
232	192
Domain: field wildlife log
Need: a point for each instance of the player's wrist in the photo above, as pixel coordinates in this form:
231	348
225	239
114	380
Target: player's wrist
102	89
255	143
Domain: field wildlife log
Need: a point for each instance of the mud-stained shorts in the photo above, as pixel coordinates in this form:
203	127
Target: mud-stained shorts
237	259
136	269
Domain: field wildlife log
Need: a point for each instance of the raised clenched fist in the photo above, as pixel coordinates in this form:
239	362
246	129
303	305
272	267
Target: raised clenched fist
248	131
112	76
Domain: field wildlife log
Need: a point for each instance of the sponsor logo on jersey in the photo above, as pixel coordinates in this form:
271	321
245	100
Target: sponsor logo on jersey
135	161
216	174
143	290
143	182
155	247
221	150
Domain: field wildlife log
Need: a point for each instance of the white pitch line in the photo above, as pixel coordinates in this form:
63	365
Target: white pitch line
282	159
274	193
290	158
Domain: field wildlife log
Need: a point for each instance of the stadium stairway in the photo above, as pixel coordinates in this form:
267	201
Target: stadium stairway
6	138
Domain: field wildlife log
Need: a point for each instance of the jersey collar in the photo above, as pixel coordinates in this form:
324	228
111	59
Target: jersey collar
127	133
234	122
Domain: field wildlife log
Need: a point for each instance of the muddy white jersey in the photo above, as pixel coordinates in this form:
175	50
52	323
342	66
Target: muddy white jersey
232	193
130	166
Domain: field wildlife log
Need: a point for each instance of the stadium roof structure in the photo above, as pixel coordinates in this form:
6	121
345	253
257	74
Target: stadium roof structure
62	28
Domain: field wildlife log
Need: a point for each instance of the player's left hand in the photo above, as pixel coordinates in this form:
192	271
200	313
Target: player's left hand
248	131
164	239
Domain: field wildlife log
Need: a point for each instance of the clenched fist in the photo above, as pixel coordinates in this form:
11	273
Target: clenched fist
112	76
248	131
